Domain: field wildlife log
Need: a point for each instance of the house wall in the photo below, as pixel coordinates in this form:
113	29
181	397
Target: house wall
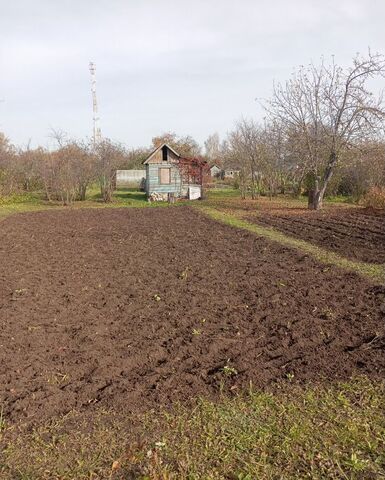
231	173
157	157
153	184
214	171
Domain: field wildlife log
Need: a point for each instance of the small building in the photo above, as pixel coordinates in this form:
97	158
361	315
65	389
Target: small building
230	173
168	173
215	171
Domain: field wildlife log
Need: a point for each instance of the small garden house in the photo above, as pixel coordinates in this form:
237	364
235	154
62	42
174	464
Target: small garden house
168	173
215	170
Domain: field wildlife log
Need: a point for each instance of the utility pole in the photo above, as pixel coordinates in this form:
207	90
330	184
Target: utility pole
97	135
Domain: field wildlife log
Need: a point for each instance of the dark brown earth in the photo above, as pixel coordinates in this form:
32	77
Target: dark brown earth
131	309
355	233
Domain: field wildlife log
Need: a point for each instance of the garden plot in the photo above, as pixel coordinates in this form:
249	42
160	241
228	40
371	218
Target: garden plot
136	308
355	233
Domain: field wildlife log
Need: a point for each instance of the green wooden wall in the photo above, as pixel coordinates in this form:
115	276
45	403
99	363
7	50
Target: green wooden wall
152	180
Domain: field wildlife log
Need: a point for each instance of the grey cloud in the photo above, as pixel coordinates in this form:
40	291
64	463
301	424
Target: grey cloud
191	67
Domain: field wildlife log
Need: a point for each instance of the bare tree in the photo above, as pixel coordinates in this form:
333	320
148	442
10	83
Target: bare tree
66	172
59	136
7	153
134	158
233	156
61	170
243	150
363	169
84	165
274	169
108	156
332	110
185	146
64	179
212	147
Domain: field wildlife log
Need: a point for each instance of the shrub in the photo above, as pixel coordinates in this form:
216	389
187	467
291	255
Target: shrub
375	198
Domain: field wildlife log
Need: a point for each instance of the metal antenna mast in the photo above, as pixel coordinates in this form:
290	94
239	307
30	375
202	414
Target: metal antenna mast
97	136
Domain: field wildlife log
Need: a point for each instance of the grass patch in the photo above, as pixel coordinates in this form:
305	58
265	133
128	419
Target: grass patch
123	197
131	197
315	432
372	271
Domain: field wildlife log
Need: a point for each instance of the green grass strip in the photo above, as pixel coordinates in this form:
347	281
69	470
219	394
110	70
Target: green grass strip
316	432
371	271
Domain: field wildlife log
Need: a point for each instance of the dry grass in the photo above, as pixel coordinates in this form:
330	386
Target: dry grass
316	432
35	202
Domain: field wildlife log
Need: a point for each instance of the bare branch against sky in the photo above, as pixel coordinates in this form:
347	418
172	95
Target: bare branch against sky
178	65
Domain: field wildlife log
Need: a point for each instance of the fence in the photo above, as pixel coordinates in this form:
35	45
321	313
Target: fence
129	177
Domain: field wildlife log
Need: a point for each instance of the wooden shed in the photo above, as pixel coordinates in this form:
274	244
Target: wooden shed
164	175
215	170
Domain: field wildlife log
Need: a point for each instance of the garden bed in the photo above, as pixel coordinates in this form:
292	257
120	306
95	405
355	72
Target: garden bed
131	309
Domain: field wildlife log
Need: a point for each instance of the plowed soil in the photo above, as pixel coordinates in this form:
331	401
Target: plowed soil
355	233
132	309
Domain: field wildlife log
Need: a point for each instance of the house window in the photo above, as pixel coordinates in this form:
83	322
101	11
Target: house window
165	176
164	154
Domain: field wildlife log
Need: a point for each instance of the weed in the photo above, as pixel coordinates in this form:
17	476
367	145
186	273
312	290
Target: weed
57	378
183	275
290	376
229	371
327	313
2	420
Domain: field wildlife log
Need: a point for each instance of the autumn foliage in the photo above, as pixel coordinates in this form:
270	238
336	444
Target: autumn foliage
375	198
194	170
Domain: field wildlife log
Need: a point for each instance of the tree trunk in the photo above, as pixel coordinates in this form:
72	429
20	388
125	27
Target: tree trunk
252	184
107	193
242	187
82	192
297	190
313	197
203	190
47	192
105	189
320	192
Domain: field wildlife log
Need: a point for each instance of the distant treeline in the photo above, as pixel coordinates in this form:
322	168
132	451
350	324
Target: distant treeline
323	134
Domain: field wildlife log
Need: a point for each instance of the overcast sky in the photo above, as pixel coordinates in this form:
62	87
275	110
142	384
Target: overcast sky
192	67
